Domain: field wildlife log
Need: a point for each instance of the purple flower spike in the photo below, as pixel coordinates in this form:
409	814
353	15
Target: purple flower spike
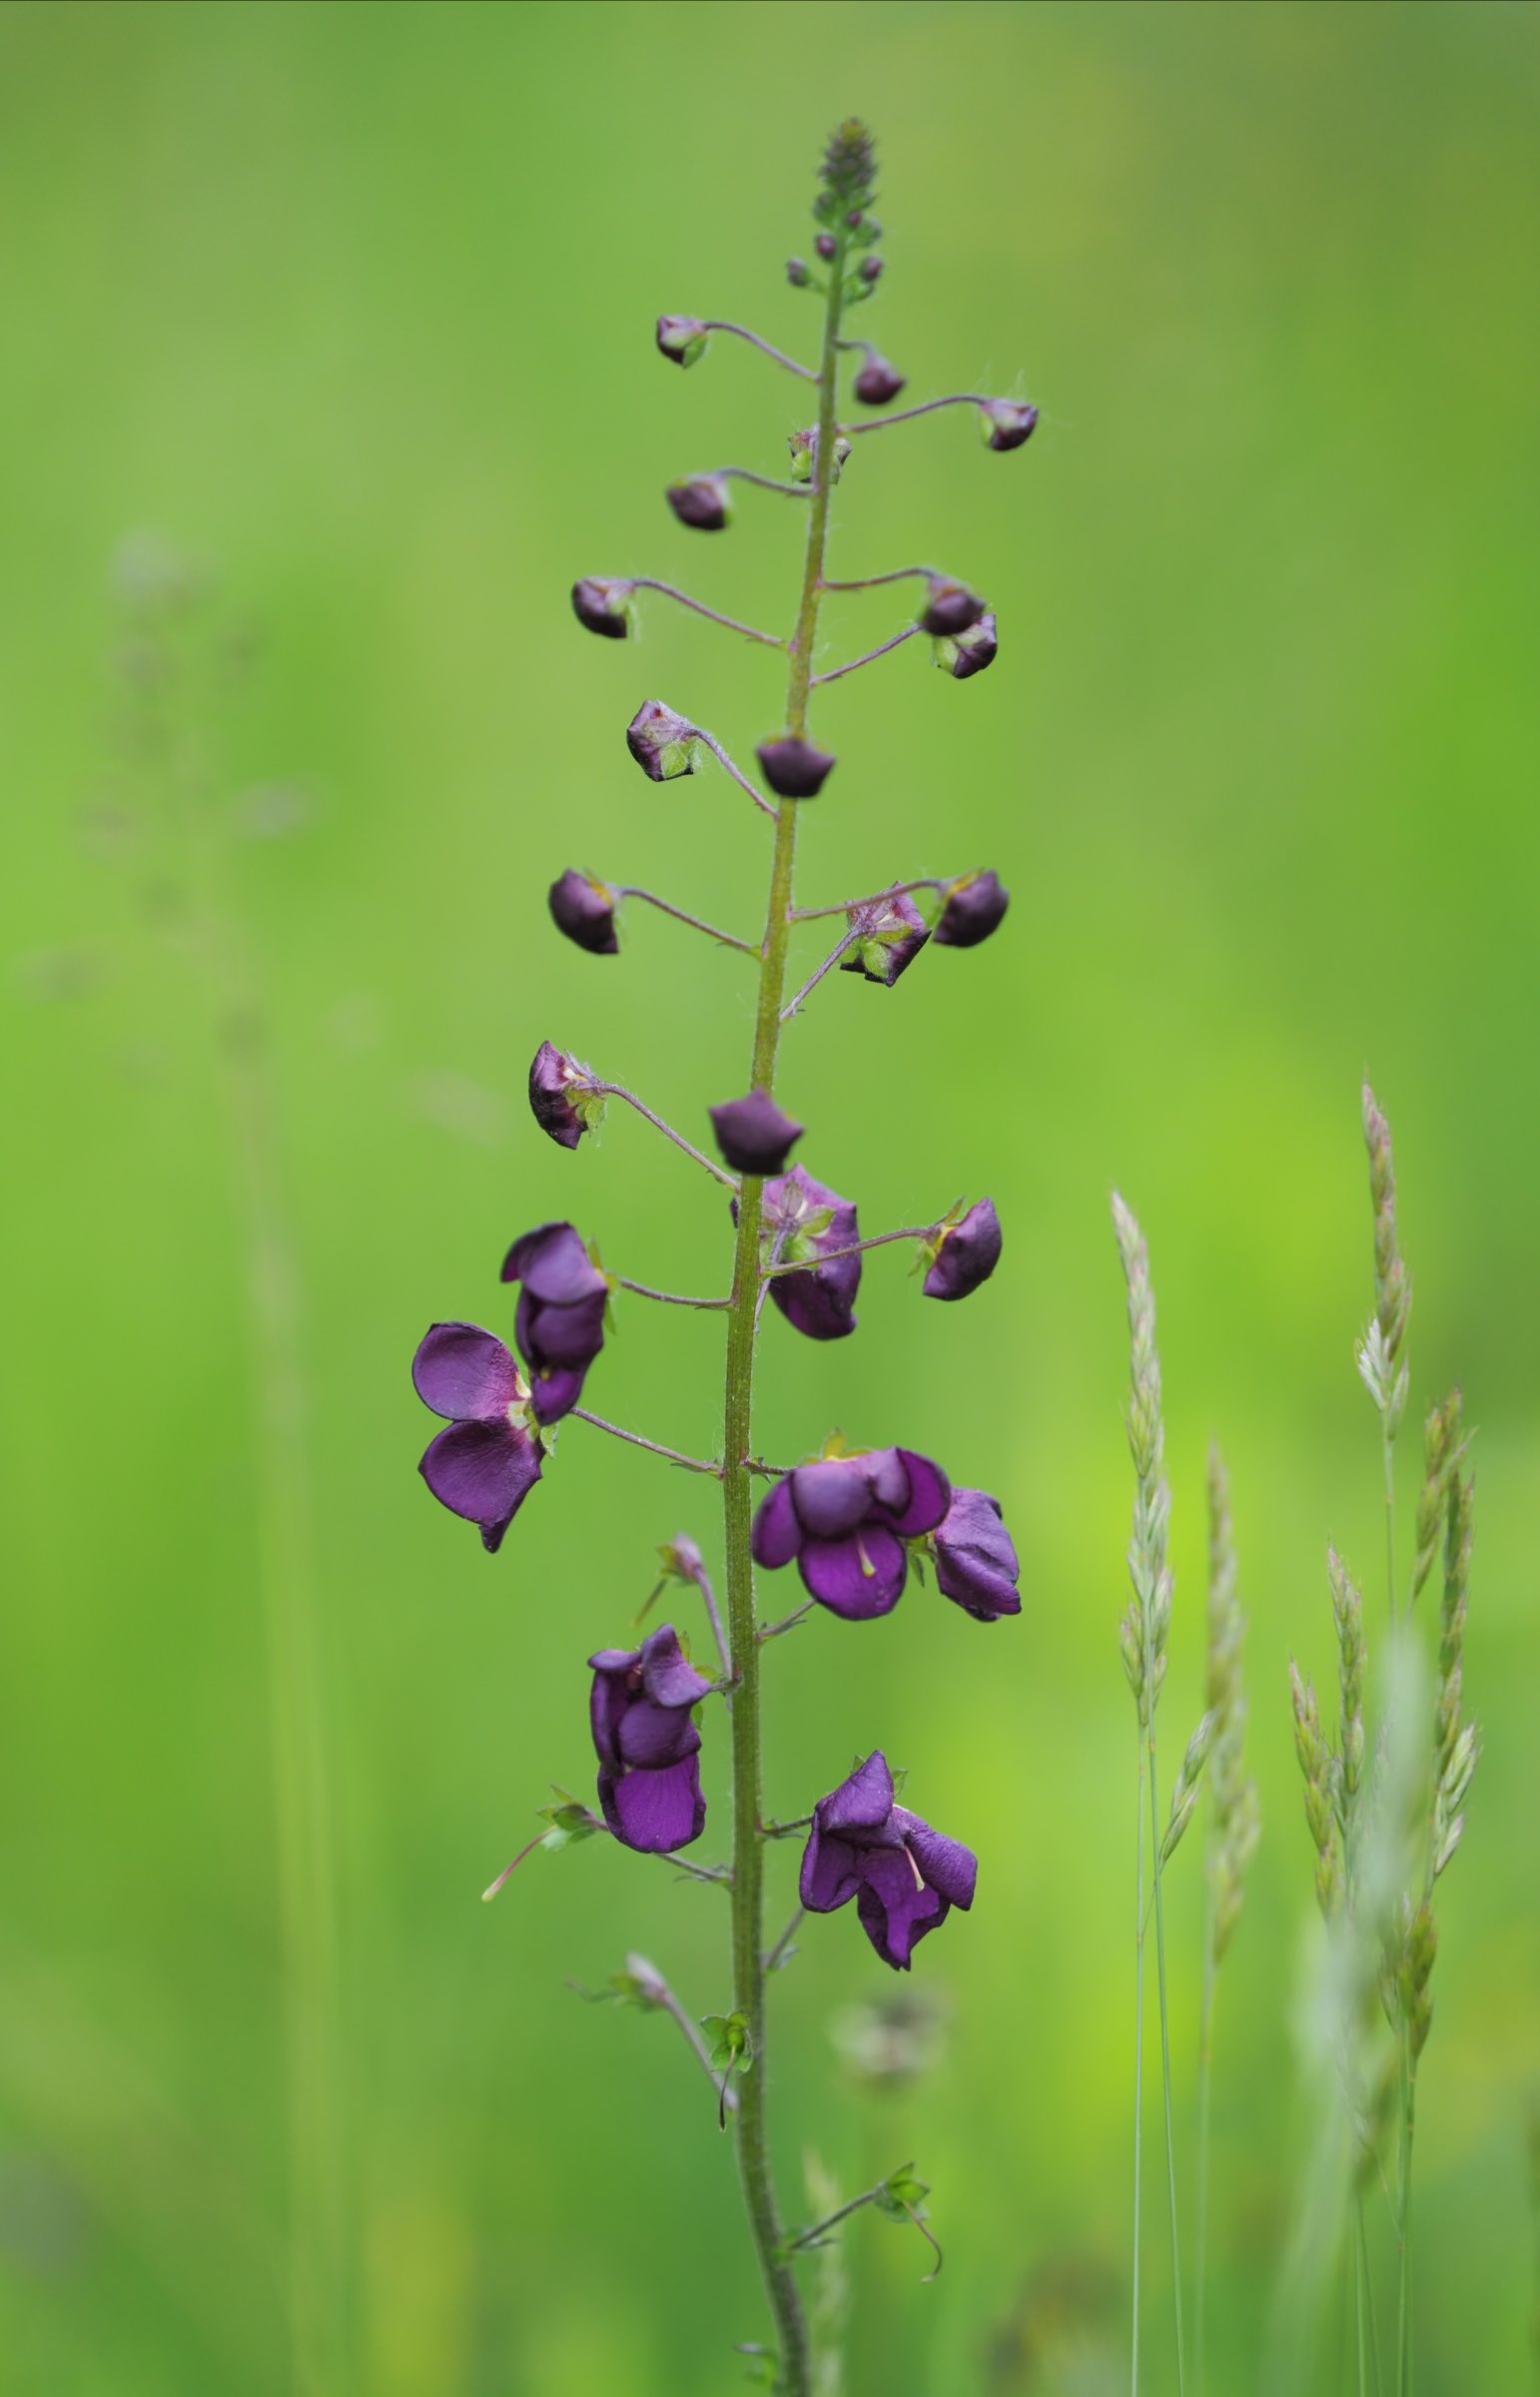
964	1253
878	382
486	1463
585	911
802	1219
792	768
886	938
972	650
555	1076
974	907
845	1519
603	605
950	607
648	1748
700	503
683	339
1007	423
559	1323
662	743
903	1877
753	1134
976	1562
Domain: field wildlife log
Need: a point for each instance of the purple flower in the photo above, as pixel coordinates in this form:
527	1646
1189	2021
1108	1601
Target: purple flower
683	339
975	1558
974	907
585	911
700	503
826	244
1007	423
488	1460
887	936
878	381
648	1748
798	273
602	603
950	607
792	768
869	268
845	1519
560	1322
972	650
903	1877
802	1219
753	1134
964	1253
553	1076
662	743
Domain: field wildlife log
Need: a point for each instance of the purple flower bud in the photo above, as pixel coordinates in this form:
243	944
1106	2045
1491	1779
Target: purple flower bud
662	743
559	1321
603	605
585	911
974	907
1007	423
798	273
887	937
845	1519
964	1253
753	1134
486	1463
903	1877
700	503
826	244
870	269
556	1095
878	381
950	607
683	339
972	650
853	218
804	1219
792	768
646	1744
976	1564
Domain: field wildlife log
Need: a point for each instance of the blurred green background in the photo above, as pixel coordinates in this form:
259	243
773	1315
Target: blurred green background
353	305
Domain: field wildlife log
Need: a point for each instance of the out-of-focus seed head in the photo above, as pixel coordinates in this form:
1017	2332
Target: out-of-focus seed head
972	650
585	911
662	743
602	603
1006	424
792	768
950	607
701	503
973	908
878	381
753	1133
683	339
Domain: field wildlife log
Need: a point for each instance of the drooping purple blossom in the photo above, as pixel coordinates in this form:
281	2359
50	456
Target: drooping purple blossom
887	936
753	1133
683	339
559	1321
792	768
964	1254
554	1078
701	502
585	911
662	743
803	1218
845	1520
602	603
950	607
878	382
1007	423
976	1562
971	651
903	1877
974	907
647	1746
484	1465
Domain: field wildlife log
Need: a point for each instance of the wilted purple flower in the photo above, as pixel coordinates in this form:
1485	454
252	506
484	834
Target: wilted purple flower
792	768
845	1519
603	605
974	907
585	911
555	1076
964	1252
903	1877
683	339
488	1460
974	1557
803	1218
701	502
1007	423
647	1746
878	381
972	650
662	743
753	1133
886	937
560	1322
950	607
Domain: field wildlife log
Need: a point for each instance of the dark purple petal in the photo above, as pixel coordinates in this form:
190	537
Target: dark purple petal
554	1393
950	607
668	1677
463	1372
930	1496
483	1471
649	1734
662	743
974	650
585	911
819	1302
858	1577
975	1563
974	907
655	1813
830	1497
552	1264
608	1699
878	381
895	1909
777	1535
968	1255
831	1872
887	1478
1010	422
864	1800
700	503
561	1335
792	768
753	1133
599	604
814	1305
945	1865
880	960
550	1074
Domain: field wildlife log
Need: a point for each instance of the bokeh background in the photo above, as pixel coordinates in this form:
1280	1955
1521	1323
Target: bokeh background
351	307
